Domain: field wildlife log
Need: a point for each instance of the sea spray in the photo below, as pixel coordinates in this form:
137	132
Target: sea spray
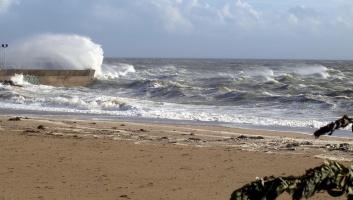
19	79
56	51
114	71
310	70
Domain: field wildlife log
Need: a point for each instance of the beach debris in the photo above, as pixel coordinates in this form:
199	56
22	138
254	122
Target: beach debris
291	146
306	143
243	137
15	119
332	176
125	196
331	127
162	138
41	127
30	131
345	147
194	139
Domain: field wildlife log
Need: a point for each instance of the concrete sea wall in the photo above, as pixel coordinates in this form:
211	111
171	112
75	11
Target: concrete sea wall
60	78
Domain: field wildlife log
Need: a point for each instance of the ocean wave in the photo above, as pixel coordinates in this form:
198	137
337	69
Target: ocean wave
288	93
114	71
311	70
261	74
347	92
235	96
288	78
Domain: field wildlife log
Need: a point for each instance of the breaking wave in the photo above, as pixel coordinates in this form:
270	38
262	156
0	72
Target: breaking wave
57	51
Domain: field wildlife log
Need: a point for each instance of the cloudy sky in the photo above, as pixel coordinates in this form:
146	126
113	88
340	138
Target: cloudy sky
275	29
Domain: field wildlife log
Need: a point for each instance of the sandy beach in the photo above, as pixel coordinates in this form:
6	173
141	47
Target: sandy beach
74	159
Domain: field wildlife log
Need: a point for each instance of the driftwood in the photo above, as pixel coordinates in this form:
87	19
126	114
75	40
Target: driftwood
333	177
331	127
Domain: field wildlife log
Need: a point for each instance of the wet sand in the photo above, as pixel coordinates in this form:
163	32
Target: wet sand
72	159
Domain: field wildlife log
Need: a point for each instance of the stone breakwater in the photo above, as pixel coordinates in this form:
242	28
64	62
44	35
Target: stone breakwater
59	78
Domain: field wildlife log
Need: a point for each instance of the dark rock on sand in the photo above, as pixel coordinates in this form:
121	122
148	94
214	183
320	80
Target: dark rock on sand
15	119
293	144
41	127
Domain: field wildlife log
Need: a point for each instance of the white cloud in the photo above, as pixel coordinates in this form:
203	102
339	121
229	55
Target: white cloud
173	19
292	19
344	18
247	9
5	4
225	13
176	22
199	17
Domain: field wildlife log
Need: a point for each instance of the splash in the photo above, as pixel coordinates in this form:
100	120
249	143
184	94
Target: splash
310	70
56	51
113	71
262	74
19	79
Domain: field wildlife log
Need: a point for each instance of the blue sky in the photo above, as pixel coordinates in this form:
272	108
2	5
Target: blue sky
273	29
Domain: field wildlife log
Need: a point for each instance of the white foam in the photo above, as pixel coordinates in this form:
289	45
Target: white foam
262	74
110	71
18	79
307	70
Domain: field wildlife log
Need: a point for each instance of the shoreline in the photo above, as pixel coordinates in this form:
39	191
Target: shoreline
49	158
340	133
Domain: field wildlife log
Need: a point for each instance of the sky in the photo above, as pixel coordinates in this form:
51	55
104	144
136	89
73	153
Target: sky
250	29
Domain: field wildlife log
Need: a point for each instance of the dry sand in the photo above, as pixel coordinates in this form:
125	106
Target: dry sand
70	159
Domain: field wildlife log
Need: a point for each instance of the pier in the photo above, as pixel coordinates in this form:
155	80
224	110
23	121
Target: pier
58	78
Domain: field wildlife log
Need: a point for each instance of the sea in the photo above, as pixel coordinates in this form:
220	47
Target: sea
285	95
